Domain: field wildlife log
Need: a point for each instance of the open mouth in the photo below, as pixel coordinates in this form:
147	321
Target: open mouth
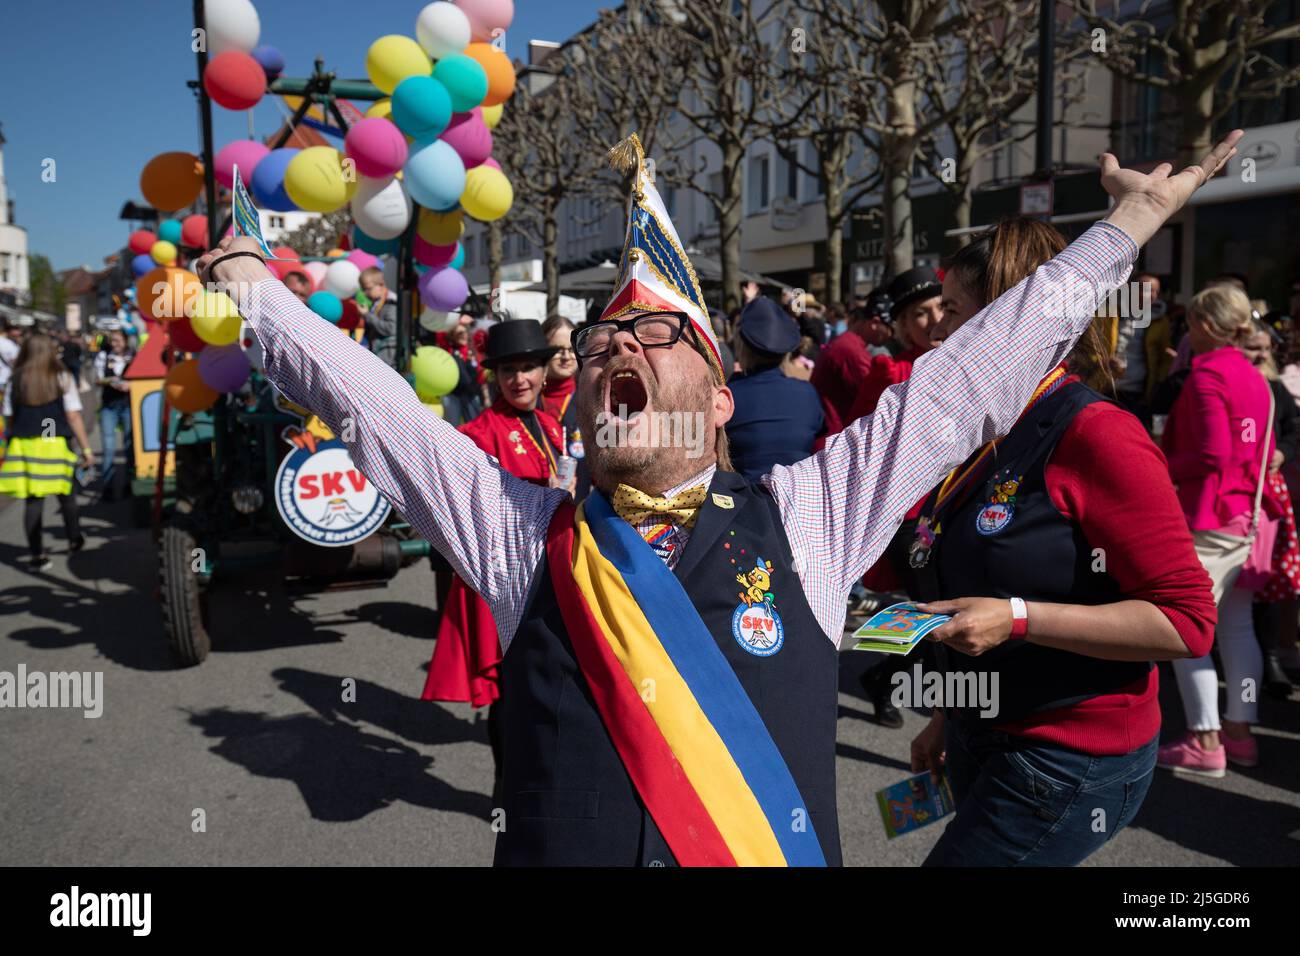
626	394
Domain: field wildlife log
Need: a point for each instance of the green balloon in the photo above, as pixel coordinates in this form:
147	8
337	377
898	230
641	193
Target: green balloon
436	372
464	80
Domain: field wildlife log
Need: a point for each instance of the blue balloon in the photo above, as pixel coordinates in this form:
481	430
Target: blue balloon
434	176
267	182
141	264
458	260
376	247
170	231
271	59
327	305
421	107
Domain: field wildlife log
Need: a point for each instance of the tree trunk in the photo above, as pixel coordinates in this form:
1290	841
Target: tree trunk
494	264
962	208
899	149
1196	130
551	261
832	171
733	157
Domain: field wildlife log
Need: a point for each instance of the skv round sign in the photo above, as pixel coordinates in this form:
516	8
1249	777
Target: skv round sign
325	499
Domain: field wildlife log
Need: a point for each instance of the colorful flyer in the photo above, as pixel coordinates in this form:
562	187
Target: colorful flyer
896	629
914	803
247	220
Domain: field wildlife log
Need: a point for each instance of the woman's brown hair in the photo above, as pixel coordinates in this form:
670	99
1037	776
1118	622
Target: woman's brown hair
38	370
1008	252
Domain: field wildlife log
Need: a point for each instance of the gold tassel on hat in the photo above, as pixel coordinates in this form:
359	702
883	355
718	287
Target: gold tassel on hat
628	157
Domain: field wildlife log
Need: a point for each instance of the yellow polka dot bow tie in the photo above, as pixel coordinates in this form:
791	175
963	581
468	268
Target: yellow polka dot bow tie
636	506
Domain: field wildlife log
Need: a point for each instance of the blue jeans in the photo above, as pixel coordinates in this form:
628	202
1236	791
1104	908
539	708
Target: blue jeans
110	416
1025	803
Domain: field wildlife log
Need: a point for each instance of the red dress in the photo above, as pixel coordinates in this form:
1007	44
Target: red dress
468	651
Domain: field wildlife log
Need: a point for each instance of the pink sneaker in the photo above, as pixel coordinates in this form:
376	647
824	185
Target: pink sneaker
1188	756
1244	753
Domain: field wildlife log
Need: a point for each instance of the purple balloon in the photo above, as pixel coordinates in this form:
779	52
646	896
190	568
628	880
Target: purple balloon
142	264
271	59
223	368
469	136
443	289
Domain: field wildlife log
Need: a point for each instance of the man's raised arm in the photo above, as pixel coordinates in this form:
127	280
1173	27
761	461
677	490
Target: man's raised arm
489	524
842	506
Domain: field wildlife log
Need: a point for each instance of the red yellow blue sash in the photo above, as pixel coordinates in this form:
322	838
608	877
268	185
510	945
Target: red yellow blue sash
696	749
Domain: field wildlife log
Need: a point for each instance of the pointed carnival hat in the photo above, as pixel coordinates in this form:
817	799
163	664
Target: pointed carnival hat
654	274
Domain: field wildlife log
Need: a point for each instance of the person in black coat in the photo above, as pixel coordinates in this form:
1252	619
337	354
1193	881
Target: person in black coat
777	418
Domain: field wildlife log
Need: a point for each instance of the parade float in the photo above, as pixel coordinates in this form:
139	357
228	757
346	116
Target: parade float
231	474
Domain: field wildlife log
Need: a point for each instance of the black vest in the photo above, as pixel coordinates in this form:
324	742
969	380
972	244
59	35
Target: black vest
29	421
567	798
1025	548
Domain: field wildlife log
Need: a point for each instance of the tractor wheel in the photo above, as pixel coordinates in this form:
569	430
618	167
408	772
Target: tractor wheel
184	603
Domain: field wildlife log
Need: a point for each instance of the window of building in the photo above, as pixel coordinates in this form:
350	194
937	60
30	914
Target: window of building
758	186
277	222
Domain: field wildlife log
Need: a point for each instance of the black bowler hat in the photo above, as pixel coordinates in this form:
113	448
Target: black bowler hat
913	286
765	326
516	339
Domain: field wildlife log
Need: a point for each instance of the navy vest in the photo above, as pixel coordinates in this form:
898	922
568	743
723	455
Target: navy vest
567	798
1024	547
28	421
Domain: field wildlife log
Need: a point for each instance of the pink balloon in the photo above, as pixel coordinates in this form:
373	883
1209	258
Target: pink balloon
434	256
491	163
469	136
362	259
377	146
317	272
485	16
244	153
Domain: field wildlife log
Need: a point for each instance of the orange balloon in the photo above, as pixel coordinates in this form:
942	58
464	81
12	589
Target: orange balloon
185	391
172	181
500	71
167	292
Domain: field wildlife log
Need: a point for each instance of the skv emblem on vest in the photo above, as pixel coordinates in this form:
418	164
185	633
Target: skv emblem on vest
998	511
756	625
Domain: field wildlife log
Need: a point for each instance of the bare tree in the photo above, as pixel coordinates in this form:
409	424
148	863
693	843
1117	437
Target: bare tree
1206	54
319	234
545	144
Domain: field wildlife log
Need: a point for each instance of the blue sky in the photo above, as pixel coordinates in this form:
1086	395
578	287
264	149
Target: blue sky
99	86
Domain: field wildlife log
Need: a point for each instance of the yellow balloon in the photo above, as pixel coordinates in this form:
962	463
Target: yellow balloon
440	228
488	193
163	252
215	318
317	179
492	115
381	108
393	58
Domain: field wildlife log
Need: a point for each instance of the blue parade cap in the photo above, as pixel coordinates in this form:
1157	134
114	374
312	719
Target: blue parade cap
765	326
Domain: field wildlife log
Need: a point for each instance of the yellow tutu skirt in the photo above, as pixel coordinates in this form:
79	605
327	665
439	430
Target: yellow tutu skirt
36	467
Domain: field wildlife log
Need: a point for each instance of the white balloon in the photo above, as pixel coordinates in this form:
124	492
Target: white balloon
232	25
317	272
442	29
343	278
381	208
434	321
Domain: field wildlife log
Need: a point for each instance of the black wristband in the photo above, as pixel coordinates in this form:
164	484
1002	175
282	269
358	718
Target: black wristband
231	255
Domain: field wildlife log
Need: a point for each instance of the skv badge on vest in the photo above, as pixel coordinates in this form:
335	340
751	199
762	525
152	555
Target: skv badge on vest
756	625
997	512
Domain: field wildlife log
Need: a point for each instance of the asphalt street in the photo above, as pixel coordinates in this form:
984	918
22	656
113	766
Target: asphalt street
259	737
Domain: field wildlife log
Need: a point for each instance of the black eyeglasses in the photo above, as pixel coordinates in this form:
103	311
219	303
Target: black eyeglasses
652	330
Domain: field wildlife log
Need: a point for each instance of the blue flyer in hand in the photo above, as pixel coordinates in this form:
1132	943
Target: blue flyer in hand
914	803
896	629
247	220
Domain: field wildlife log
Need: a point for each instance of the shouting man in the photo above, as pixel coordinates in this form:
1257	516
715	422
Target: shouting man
669	679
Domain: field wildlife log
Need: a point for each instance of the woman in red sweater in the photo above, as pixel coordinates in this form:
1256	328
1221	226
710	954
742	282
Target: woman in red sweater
1066	578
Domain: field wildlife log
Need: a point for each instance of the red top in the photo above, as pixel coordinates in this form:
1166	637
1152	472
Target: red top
500	432
886	370
1132	514
557	393
840	371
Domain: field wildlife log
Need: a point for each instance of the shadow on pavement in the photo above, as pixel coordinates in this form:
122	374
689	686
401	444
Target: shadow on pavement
399	617
419	721
342	772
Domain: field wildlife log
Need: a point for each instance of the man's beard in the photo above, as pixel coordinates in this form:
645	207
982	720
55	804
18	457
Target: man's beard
651	467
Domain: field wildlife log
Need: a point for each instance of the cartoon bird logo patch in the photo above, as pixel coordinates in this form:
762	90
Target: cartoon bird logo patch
755	624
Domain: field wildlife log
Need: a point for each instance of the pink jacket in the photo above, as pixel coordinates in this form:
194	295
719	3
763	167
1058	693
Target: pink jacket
1213	435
